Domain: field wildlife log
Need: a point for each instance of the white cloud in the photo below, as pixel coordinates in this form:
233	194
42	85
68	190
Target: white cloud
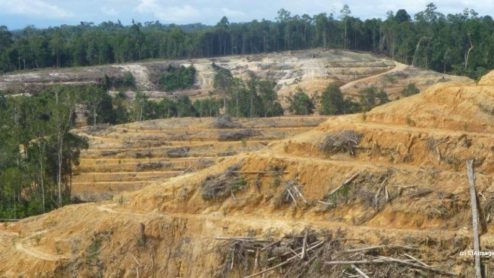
35	8
109	11
18	13
236	14
169	13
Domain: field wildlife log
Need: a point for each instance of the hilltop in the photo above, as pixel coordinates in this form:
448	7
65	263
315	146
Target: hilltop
389	184
311	70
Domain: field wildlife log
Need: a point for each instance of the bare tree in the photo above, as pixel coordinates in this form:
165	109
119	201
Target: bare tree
63	120
467	55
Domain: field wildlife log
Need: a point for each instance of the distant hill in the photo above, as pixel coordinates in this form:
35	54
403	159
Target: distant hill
310	70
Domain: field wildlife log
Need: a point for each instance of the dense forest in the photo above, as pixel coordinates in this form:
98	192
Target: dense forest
454	43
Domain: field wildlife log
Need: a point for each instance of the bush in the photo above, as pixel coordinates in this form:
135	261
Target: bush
332	102
372	97
178	152
127	81
236	135
300	104
221	186
410	90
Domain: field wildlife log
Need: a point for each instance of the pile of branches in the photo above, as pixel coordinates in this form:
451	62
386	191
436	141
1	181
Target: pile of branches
292	194
144	154
235	135
218	187
225	121
341	142
152	166
369	188
109	153
178	152
313	254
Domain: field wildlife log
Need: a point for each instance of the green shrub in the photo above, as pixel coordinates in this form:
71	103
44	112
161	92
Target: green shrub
176	78
410	90
300	103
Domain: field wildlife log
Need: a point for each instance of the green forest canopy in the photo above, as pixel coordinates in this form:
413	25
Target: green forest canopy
454	43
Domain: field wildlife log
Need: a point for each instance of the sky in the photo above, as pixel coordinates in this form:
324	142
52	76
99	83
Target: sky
17	14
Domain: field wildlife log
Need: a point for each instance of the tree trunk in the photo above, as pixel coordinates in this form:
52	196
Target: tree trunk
475	219
417	48
467	55
94	115
252	104
59	170
62	125
238	104
41	174
345	39
224	102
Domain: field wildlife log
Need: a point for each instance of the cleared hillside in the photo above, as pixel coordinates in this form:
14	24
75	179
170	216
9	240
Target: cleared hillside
389	187
311	70
131	156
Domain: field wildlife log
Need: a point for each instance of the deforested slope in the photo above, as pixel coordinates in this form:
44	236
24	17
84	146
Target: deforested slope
310	70
130	156
388	186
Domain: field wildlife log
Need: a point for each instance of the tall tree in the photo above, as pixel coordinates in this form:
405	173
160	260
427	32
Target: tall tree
332	102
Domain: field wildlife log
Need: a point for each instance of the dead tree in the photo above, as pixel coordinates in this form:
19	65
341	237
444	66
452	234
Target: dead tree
417	48
63	121
467	55
475	218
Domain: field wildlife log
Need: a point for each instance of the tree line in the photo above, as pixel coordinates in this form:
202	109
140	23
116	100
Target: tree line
37	152
239	98
454	43
252	97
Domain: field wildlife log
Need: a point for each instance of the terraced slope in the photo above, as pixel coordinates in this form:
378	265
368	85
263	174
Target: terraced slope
395	80
131	156
388	188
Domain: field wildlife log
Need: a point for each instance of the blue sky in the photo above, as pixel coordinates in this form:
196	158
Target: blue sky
17	14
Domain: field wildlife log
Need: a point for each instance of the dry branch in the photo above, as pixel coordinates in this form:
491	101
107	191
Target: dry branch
285	262
417	260
368	248
385	260
291	194
346	182
359	271
429	268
